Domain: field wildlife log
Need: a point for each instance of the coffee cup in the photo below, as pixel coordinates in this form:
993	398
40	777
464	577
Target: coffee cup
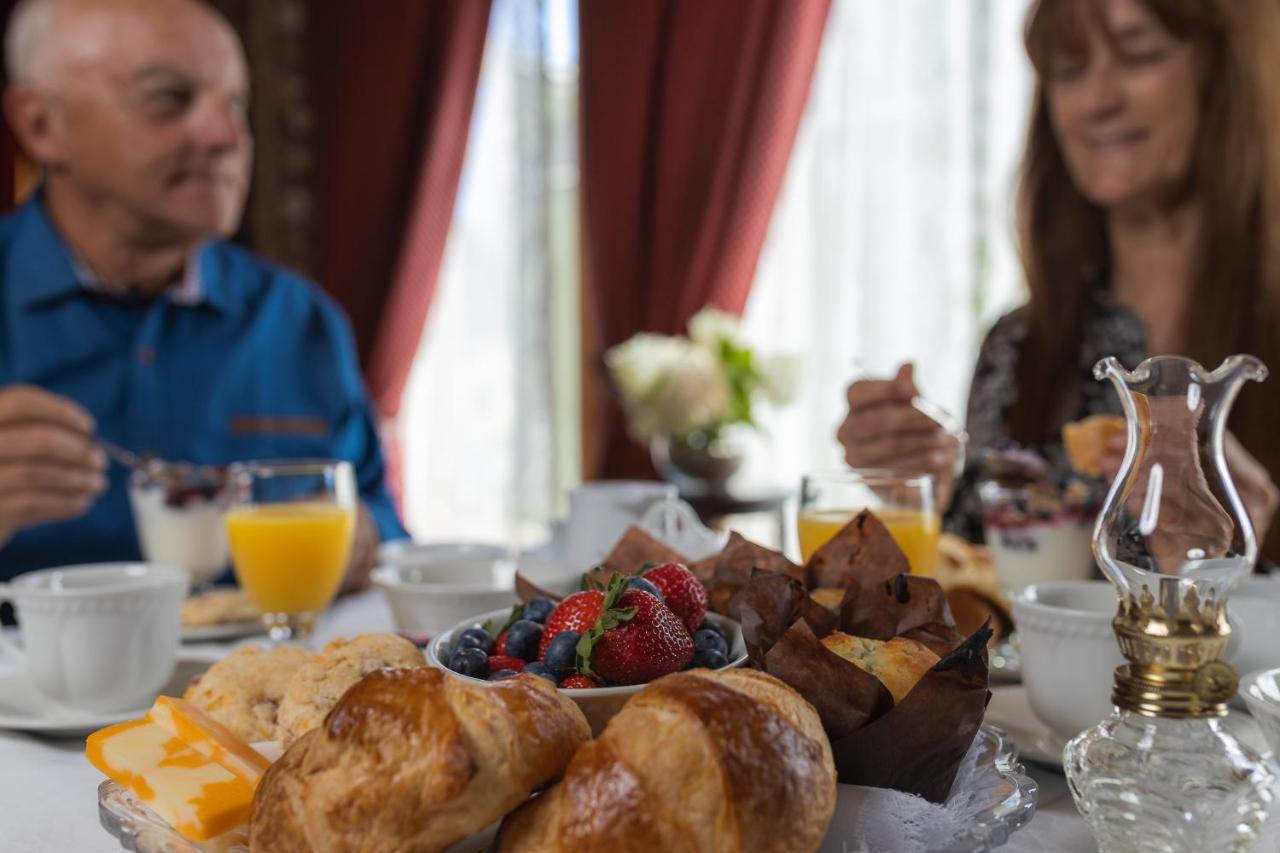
101	637
1254	613
601	511
1068	651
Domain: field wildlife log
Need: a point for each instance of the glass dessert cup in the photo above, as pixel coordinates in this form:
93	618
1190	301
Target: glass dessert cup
1039	531
1161	773
178	512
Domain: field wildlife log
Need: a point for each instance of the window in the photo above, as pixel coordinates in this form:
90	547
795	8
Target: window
489	424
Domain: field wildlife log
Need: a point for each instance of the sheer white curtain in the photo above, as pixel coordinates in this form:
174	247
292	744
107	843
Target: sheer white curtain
489	422
893	238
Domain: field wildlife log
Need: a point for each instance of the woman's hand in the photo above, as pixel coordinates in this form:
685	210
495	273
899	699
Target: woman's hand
884	430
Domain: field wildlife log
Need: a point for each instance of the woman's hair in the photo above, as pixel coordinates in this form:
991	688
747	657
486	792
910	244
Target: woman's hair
1235	174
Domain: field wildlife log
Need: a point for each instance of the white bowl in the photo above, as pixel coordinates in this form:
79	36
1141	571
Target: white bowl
430	587
598	704
1069	651
1261	692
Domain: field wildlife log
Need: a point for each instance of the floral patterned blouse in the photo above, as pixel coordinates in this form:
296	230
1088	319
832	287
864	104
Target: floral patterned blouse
1108	328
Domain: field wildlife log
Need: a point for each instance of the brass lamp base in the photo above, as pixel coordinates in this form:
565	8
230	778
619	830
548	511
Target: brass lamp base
1173	648
1154	691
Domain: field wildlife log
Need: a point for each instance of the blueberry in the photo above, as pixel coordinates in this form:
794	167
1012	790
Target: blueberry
638	582
710	659
475	638
539	609
539	669
469	661
562	654
501	674
707	640
523	638
708	625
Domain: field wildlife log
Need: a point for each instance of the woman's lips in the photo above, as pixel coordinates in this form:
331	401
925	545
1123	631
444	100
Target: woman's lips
1104	143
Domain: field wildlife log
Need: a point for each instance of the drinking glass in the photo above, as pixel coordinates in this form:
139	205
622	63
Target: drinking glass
290	526
903	501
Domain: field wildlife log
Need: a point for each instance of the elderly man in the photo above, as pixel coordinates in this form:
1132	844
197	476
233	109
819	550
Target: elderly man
123	314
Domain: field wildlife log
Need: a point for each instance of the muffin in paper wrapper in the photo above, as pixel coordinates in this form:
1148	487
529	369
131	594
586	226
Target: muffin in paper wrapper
915	746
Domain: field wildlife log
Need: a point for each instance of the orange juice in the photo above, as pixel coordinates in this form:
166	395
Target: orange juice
915	531
290	557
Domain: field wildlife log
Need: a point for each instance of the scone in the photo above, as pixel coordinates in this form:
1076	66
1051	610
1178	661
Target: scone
317	686
243	690
829	597
898	663
1086	441
219	607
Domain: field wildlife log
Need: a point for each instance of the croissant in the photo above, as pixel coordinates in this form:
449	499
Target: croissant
415	759
698	761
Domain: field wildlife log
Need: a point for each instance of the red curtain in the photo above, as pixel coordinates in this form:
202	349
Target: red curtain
689	112
394	84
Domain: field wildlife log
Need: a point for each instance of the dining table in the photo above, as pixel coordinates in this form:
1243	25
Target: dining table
48	791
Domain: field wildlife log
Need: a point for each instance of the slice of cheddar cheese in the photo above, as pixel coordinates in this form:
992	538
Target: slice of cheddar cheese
196	796
208	737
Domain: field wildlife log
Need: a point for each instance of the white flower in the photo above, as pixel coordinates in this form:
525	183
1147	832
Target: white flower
780	377
641	363
710	326
693	395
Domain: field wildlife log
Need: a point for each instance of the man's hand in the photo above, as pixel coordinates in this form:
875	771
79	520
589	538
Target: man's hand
50	467
364	553
884	430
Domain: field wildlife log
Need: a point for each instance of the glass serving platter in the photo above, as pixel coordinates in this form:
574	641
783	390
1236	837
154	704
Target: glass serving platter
991	799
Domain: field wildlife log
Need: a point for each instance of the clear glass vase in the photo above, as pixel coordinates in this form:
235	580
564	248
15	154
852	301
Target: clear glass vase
1161	774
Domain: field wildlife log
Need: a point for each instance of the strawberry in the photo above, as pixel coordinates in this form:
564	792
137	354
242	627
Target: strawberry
635	640
578	681
497	662
500	644
683	592
577	613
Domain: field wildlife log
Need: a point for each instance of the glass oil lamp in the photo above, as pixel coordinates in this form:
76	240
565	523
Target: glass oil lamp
1162	774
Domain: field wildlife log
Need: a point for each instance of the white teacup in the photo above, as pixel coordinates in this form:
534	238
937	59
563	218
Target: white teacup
601	511
1068	650
1254	613
100	637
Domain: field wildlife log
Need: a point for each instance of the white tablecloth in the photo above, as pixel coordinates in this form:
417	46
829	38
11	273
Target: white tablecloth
48	792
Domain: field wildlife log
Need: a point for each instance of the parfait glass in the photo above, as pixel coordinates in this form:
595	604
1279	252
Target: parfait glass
1162	773
290	526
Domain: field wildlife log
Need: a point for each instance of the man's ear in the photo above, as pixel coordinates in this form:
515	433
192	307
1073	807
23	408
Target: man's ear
30	113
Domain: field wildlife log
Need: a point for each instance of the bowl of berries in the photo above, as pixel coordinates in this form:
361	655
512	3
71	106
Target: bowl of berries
601	644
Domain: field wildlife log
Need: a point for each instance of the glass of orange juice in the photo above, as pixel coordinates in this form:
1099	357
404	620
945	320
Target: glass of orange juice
903	501
290	526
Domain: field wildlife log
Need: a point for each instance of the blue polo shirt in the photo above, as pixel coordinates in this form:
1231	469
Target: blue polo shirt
257	363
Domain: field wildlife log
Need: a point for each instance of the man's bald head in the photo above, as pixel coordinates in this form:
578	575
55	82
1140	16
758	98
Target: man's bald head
136	109
44	34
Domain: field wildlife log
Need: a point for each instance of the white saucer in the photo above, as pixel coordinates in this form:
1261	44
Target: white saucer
225	631
23	708
1010	709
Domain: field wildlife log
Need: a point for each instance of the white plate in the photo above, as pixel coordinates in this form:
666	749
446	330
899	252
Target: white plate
1010	710
222	632
23	708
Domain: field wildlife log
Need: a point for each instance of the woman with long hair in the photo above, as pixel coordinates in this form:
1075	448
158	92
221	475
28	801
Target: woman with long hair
1149	223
